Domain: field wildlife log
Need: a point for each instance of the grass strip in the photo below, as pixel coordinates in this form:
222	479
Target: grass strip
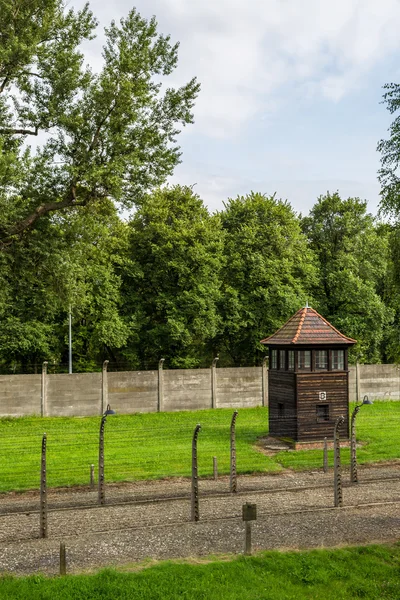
371	572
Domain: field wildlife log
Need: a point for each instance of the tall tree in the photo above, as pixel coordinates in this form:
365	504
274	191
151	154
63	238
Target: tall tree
171	284
268	273
353	259
108	135
390	154
70	261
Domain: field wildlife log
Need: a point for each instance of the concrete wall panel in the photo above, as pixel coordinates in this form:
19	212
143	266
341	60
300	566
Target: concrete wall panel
184	389
133	391
187	389
78	394
20	395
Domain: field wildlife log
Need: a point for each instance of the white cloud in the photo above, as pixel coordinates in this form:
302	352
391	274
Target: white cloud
244	52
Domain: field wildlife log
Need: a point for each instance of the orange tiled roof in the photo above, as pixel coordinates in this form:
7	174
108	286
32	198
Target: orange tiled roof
307	327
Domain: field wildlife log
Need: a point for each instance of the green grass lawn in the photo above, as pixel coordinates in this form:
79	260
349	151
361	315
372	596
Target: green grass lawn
157	445
371	572
378	431
139	446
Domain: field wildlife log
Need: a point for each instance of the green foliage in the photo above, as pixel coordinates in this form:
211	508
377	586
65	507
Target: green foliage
391	293
388	174
171	284
352	258
74	261
267	275
110	134
370	572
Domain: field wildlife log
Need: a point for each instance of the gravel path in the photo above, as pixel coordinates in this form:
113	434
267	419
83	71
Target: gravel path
294	510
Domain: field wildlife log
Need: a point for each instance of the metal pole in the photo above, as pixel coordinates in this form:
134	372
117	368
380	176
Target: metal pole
195	480
233	479
101	497
92	476
70	341
325	455
353	451
43	490
338	497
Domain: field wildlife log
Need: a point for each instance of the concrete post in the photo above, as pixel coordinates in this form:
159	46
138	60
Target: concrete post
195	479
101	496
104	387
63	559
43	398
264	399
249	514
43	490
325	455
233	478
215	467
353	446
338	498
214	382
358	383
247	539
160	403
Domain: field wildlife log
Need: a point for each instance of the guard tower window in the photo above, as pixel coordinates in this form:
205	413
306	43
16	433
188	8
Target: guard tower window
281	410
322	412
274	359
291	360
282	359
304	360
321	360
337	360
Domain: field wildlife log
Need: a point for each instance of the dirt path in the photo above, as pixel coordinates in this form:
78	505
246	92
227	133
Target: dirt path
293	511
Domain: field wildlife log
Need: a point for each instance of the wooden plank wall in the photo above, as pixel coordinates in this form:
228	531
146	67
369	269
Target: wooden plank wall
309	385
282	389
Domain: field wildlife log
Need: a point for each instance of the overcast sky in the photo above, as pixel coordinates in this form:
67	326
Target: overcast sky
291	91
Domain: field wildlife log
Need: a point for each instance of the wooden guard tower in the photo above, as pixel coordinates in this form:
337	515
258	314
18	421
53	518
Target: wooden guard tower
307	378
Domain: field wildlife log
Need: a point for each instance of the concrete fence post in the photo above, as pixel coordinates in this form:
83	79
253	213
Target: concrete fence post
214	382
63	559
338	497
215	467
195	478
43	397
264	399
249	514
233	478
353	447
104	387
358	382
160	402
325	455
101	493
43	490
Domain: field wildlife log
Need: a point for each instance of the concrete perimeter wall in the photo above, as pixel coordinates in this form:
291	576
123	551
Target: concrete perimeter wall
84	394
